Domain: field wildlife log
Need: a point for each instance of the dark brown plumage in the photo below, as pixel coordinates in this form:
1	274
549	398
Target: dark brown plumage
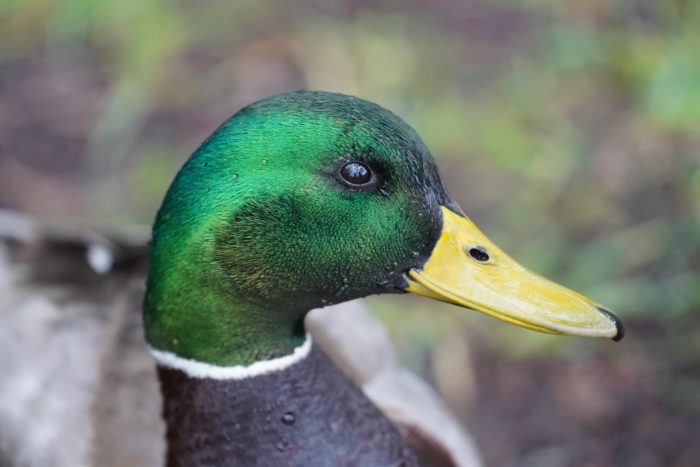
316	417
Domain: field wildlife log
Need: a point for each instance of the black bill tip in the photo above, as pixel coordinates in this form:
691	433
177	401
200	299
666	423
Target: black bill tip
616	321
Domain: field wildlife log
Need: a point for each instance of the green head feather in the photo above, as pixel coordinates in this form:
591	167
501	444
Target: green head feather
258	227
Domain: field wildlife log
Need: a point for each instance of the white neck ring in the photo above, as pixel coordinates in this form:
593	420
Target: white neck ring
196	369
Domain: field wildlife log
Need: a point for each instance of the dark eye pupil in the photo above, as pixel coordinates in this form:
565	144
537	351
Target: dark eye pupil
479	253
356	173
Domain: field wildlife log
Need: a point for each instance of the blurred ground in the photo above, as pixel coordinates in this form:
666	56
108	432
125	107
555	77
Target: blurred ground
569	130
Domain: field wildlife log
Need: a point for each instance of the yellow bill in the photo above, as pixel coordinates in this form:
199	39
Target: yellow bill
469	270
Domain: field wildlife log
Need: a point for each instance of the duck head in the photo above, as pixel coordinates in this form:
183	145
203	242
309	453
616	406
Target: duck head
306	199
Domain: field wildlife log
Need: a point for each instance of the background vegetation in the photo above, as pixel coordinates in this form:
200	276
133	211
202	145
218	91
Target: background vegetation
569	130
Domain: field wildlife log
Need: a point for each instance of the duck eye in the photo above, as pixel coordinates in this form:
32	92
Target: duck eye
356	174
479	253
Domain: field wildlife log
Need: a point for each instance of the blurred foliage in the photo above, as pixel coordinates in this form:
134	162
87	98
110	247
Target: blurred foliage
569	130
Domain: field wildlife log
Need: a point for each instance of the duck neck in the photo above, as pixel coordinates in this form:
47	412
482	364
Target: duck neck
200	318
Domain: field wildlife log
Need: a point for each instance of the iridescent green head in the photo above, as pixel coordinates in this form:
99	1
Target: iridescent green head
298	201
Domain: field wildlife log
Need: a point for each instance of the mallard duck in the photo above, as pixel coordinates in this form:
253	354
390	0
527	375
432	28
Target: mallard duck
299	201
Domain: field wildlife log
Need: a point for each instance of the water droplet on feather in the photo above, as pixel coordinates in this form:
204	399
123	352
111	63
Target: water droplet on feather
289	418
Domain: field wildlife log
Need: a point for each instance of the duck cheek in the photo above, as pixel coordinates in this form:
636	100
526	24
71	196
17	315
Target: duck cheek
394	255
419	232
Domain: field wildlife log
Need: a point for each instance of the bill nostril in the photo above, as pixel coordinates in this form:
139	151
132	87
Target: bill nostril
479	253
616	321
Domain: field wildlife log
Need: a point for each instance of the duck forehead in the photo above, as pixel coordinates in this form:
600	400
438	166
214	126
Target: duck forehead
327	118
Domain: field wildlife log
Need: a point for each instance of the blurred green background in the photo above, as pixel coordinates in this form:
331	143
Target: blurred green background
568	130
